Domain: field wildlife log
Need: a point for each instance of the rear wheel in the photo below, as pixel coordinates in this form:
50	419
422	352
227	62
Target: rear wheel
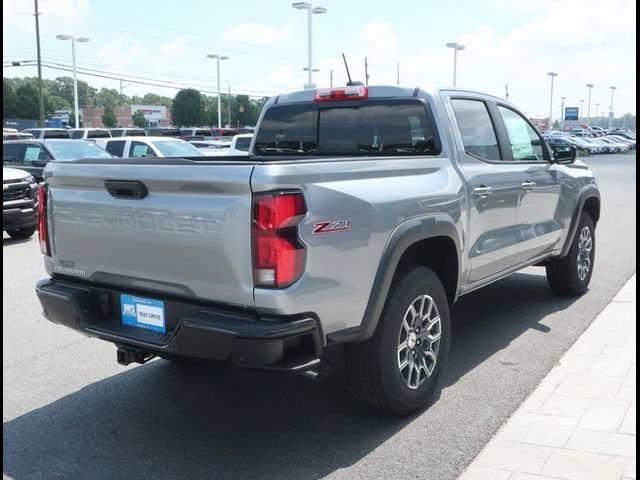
21	233
397	370
571	275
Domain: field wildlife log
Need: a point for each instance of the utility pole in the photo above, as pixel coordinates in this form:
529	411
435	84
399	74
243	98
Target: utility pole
398	73
366	71
41	93
229	97
331	78
506	91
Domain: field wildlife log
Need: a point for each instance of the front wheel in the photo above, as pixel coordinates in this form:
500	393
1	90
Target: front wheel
21	233
396	371
571	275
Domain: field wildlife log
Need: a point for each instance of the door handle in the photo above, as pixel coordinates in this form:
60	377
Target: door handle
528	185
482	191
128	189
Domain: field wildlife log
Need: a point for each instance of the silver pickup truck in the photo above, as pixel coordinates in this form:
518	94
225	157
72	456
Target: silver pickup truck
360	216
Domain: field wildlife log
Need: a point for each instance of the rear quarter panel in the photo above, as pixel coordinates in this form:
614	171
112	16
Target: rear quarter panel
375	196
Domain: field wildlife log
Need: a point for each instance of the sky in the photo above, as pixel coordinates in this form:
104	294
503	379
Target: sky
510	45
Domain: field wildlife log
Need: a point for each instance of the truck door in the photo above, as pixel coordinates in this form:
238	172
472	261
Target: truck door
493	188
540	214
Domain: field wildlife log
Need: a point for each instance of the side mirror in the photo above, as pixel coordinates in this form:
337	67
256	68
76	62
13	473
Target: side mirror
564	153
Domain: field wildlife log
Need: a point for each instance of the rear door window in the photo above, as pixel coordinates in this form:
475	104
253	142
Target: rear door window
116	147
478	135
10	152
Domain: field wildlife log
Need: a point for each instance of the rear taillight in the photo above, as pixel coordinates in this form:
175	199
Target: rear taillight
359	92
278	254
43	234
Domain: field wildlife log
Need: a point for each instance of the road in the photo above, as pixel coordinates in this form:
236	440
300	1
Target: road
70	411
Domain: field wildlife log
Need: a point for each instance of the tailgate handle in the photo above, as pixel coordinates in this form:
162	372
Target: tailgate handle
129	189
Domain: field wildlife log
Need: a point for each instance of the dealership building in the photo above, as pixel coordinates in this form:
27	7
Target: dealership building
154	115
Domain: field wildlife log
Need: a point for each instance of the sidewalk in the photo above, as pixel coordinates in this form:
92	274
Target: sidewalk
580	423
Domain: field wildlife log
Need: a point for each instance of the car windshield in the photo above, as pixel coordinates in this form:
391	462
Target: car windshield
74	150
178	148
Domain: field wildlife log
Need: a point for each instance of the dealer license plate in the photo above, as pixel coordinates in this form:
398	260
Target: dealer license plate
142	313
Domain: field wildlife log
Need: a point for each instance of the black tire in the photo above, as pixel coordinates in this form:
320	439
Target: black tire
563	274
373	366
21	233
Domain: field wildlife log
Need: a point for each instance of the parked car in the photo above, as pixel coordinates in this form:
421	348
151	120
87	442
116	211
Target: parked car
195	133
212	148
363	213
47	133
163	132
240	144
149	147
128	132
89	133
33	155
223	132
19	203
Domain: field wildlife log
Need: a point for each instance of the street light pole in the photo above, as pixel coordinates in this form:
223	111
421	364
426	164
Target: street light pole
581	117
589	86
562	113
40	90
611	109
218	58
597	118
310	11
552	75
75	79
455	47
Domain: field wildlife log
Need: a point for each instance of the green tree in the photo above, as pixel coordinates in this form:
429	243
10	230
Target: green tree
138	119
153	99
109	97
63	87
109	118
7	91
187	108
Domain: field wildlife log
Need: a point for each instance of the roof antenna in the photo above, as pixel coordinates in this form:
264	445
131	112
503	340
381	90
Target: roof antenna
349	83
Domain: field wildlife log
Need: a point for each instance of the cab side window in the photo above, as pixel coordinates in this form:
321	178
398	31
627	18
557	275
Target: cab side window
139	149
478	136
116	148
525	142
34	153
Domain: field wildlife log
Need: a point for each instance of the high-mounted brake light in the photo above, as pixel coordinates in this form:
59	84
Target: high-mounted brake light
359	92
278	255
43	234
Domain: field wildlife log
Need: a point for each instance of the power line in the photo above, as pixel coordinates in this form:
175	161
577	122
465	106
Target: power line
175	87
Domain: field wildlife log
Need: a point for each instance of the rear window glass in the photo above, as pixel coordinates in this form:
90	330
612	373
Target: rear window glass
396	127
98	134
243	144
56	134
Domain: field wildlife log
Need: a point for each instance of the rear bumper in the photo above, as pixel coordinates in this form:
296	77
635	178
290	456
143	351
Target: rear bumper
196	331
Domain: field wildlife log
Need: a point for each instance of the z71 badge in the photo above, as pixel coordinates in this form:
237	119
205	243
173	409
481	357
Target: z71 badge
331	226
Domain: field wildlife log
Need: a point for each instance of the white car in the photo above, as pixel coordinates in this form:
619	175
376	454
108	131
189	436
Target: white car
89	133
149	147
240	144
212	148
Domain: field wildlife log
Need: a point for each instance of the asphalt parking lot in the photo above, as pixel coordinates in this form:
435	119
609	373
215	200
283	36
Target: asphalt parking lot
70	411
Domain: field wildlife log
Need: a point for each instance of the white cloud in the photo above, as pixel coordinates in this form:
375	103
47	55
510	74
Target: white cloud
254	32
174	47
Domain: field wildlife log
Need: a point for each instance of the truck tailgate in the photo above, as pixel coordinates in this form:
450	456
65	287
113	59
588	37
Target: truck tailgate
189	236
